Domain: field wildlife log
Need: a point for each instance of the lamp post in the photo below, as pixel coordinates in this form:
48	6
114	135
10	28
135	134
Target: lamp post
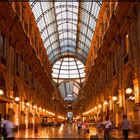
17	99
129	92
114	98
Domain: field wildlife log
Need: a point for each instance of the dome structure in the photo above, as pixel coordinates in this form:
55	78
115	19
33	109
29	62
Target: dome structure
68	69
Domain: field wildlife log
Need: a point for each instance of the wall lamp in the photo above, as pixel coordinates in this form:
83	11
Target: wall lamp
129	90
114	98
17	99
105	102
27	104
1	92
99	106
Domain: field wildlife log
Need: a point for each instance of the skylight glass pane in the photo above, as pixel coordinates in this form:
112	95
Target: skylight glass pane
55	74
55	70
82	74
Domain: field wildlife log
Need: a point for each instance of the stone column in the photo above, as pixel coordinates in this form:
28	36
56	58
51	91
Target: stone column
122	103
122	107
136	123
137	90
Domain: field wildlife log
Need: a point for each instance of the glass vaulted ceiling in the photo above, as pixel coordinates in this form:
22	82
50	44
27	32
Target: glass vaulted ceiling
66	28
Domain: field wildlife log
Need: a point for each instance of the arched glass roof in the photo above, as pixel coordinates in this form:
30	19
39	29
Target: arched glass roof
68	69
69	90
66	28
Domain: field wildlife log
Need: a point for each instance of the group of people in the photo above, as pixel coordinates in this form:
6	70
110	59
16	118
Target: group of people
107	126
83	125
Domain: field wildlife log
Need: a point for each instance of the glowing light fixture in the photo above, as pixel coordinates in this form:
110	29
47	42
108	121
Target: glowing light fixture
129	90
95	107
114	98
1	92
34	106
99	106
105	102
40	108
28	104
17	99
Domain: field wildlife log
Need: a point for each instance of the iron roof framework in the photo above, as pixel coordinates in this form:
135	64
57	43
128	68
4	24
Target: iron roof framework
69	90
66	28
68	69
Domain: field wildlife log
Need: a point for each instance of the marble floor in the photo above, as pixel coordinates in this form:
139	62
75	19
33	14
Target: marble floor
67	131
63	131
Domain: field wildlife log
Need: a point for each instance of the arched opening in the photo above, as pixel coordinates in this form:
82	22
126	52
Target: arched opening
3	93
70	116
13	110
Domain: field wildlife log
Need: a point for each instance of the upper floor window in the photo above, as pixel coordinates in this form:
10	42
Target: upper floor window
125	45
2	45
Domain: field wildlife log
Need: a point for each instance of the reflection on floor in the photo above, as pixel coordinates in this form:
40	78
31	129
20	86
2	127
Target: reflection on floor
68	131
63	131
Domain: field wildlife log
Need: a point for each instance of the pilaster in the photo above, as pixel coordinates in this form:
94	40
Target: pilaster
122	103
137	90
136	123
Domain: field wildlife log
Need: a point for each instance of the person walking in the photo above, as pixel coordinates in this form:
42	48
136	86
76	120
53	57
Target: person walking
107	127
79	125
85	127
8	129
125	127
